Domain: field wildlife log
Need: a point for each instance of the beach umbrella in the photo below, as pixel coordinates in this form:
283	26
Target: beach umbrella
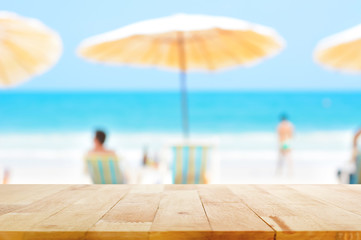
341	51
27	48
184	43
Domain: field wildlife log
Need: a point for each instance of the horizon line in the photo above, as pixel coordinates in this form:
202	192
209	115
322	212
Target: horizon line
6	91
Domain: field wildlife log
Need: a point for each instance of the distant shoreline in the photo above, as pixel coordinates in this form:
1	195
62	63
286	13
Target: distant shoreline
176	91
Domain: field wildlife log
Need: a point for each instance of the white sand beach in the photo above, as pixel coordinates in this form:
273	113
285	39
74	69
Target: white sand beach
241	157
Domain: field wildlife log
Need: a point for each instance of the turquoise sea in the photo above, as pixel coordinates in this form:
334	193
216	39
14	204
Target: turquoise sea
210	112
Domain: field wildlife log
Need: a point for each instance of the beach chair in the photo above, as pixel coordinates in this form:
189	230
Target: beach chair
104	169
190	164
358	170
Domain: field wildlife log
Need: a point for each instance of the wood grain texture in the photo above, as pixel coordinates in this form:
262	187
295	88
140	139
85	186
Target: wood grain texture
64	215
131	217
236	221
298	216
180	212
19	195
180	216
180	187
217	193
341	196
82	214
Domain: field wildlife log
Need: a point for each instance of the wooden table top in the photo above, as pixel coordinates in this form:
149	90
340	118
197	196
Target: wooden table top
180	212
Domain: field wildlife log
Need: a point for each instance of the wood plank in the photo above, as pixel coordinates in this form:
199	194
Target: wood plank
67	214
27	193
356	188
14	225
236	221
180	187
131	217
216	193
180	212
180	216
296	216
146	188
80	216
347	198
22	195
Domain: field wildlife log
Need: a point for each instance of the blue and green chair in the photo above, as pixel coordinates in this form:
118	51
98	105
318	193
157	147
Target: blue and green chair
358	170
104	169
355	178
190	163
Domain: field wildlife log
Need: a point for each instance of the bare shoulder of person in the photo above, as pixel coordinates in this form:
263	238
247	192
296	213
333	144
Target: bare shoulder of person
111	152
90	151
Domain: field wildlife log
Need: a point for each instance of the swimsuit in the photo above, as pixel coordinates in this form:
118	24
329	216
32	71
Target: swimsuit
286	145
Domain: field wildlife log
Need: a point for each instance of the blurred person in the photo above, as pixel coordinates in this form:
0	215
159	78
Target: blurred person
4	175
285	131
356	148
348	173
99	140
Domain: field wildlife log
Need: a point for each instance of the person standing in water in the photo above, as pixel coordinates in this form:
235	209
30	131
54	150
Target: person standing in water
285	131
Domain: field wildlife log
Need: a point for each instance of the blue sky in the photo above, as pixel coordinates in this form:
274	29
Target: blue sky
301	23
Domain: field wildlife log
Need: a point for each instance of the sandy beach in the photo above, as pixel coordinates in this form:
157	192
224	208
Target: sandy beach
239	158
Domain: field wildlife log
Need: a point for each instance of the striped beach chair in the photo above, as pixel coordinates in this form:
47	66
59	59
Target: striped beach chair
104	169
190	164
358	170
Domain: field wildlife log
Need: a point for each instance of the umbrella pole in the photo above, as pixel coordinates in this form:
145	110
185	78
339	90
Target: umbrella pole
184	102
183	85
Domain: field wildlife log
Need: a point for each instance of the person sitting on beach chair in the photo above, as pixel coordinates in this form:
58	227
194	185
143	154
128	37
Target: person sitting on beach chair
102	164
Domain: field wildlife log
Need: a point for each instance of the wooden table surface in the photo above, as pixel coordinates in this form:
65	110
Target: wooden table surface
180	212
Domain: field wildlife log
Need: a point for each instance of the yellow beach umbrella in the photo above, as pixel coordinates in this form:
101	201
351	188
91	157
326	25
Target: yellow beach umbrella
184	43
341	51
27	48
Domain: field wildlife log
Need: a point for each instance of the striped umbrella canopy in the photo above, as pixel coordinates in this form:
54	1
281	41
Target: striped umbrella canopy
341	51
184	43
27	48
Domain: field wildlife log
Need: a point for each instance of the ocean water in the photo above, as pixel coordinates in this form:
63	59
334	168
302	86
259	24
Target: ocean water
210	112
